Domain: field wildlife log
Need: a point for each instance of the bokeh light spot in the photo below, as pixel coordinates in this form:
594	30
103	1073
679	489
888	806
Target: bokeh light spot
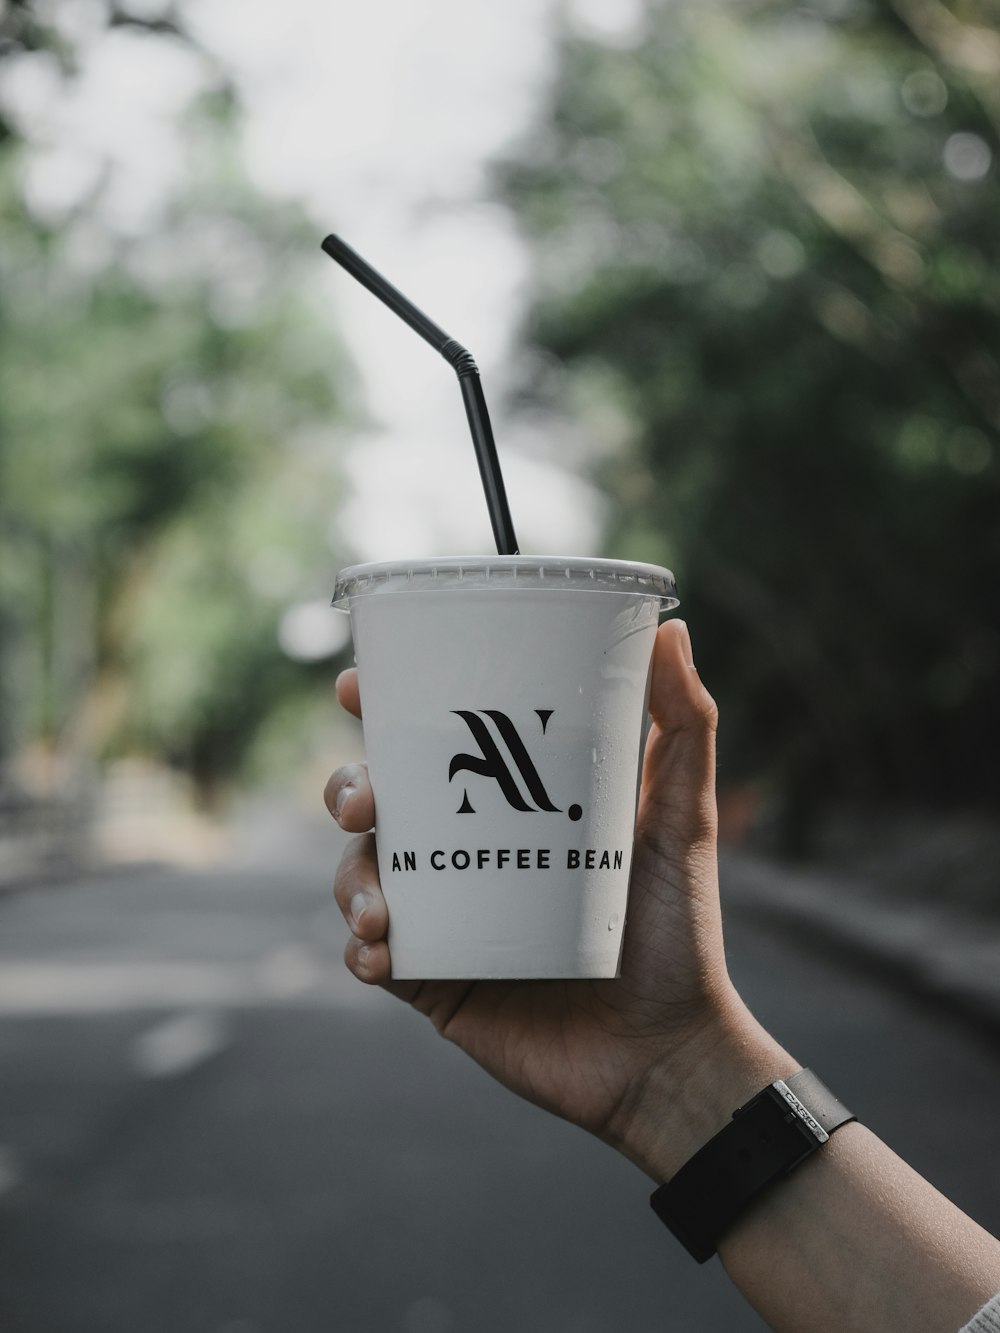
967	157
312	631
924	93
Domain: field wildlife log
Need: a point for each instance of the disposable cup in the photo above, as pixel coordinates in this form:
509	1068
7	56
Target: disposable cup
504	711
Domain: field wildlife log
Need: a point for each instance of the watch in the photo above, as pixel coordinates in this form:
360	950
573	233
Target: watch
767	1137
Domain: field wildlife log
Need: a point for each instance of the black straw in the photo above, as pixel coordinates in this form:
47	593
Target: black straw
470	383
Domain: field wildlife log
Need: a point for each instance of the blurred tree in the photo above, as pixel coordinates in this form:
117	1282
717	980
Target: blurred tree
768	282
167	400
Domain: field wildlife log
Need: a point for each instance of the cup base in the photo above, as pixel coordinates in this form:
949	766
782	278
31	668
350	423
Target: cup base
414	966
426	975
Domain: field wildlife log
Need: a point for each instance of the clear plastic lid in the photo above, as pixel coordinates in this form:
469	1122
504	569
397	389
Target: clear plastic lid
499	572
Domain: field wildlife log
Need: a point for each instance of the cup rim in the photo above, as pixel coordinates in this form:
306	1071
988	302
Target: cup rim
495	573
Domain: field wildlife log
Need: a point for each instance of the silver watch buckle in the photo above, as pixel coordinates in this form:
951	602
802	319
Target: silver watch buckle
801	1111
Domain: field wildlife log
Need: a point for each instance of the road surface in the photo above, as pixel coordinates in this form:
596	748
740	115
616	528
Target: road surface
207	1126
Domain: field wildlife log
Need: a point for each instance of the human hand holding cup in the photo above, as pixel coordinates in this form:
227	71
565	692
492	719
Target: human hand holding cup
625	1058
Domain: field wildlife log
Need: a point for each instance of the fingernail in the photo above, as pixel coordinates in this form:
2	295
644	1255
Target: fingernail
343	796
363	955
360	904
687	652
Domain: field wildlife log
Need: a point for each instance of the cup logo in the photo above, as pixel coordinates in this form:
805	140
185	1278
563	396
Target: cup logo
491	762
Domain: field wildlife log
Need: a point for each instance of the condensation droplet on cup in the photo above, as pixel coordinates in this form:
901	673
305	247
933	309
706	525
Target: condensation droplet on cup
613	923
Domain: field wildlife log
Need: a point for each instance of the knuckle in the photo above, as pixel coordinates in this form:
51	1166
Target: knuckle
348	775
352	775
709	710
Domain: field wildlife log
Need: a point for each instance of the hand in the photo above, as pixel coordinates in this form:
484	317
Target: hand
654	1061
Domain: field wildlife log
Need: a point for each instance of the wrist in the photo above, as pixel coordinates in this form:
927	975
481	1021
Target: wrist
689	1093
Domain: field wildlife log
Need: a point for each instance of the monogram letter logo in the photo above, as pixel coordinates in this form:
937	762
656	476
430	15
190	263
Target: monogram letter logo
491	763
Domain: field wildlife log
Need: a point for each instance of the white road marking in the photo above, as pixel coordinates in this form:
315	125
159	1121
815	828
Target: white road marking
179	1044
289	972
52	985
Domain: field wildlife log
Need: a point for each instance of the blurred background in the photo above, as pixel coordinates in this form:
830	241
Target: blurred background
730	271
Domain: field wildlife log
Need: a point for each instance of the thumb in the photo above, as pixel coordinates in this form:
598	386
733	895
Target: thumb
677	698
678	778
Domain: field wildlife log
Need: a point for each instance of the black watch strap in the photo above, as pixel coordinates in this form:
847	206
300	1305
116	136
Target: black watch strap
767	1137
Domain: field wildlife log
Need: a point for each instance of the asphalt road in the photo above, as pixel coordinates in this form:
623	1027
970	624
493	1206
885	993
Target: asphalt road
206	1126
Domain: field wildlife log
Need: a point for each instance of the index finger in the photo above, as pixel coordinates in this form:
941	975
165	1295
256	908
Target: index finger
347	691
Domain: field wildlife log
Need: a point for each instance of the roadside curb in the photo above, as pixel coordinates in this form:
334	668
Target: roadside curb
940	955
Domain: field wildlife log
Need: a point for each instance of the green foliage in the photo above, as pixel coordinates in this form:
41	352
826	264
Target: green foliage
168	403
767	239
202	651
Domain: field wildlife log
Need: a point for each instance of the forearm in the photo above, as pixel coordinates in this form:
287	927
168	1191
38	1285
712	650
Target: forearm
852	1240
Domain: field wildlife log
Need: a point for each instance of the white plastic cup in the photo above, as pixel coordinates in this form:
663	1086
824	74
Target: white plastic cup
504	708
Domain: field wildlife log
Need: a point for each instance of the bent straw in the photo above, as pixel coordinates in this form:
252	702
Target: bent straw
462	362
